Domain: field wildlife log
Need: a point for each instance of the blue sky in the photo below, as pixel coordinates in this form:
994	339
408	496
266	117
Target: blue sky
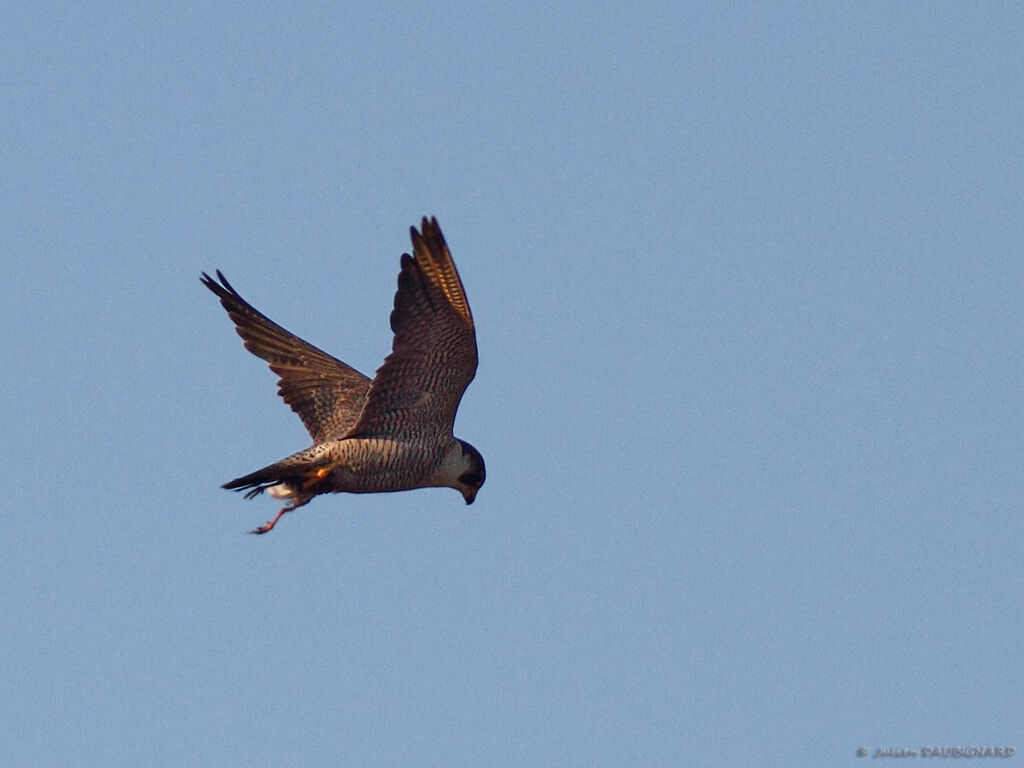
747	281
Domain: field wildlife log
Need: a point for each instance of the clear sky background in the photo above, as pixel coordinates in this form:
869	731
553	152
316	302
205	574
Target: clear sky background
747	281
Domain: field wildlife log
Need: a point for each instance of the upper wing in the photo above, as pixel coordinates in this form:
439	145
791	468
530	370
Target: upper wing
327	394
418	388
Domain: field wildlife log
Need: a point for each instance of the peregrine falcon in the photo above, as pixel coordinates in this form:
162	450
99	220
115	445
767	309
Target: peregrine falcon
393	433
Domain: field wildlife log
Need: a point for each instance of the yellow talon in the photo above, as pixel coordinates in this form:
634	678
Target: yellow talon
318	474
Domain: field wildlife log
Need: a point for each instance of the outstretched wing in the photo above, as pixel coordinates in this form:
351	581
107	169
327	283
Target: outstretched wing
327	394
418	388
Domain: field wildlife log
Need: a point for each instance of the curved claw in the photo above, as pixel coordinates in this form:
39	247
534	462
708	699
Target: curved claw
268	526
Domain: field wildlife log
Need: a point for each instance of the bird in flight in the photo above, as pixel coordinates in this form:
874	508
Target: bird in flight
392	433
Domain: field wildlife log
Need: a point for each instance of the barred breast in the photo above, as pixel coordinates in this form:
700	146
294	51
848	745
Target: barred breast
368	465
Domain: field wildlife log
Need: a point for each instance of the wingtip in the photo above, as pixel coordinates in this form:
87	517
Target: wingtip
220	285
428	227
224	281
211	284
428	237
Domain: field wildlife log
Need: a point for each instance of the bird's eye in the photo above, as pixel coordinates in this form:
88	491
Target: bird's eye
470	478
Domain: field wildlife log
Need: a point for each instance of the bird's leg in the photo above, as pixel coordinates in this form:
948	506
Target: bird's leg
293	503
268	526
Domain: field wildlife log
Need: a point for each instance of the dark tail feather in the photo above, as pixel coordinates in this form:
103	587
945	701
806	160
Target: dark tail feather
299	475
261	479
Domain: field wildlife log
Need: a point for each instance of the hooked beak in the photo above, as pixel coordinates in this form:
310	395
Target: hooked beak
469	495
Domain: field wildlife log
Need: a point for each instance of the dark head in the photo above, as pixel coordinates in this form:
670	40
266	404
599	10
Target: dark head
473	473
